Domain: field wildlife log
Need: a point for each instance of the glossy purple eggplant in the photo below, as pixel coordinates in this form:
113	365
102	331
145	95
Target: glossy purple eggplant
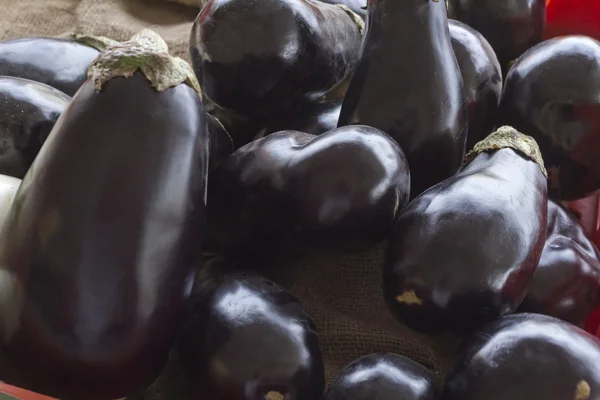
312	118
341	190
384	377
482	78
462	253
566	284
28	112
526	357
553	93
408	84
99	249
260	58
246	338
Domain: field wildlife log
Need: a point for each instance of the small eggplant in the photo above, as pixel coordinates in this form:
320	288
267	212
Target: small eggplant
314	119
60	63
260	58
28	113
482	77
341	190
384	377
8	189
566	284
511	27
221	145
99	249
553	93
527	357
463	252
246	338
408	84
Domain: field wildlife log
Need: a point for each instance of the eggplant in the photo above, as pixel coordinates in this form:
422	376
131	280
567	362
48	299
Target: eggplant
221	144
384	377
8	189
314	119
414	93
566	283
511	27
293	188
553	92
246	338
28	114
57	62
260	58
99	249
526	357
482	78
463	252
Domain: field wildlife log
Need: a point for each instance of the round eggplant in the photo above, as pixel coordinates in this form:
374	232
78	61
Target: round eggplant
60	63
566	284
463	252
260	58
99	249
28	113
482	78
246	338
526	357
511	27
299	189
314	119
8	189
553	93
407	83
384	377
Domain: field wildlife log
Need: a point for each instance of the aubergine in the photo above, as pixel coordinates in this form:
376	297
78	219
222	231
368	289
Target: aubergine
482	78
260	58
28	113
511	27
462	253
566	283
57	62
314	119
295	188
384	377
99	249
553	92
526	357
414	93
246	338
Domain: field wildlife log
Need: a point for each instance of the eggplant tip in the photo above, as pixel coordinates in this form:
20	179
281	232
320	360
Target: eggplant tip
97	42
583	391
409	297
274	396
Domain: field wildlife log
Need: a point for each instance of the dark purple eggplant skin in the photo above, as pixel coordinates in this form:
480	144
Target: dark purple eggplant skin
511	27
462	253
294	188
246	338
414	93
482	78
60	63
525	357
260	58
314	119
566	283
384	377
28	112
552	93
100	247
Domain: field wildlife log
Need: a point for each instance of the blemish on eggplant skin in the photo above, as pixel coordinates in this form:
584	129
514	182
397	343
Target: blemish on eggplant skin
409	297
583	391
274	396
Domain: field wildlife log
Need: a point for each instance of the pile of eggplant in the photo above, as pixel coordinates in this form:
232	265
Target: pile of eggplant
147	203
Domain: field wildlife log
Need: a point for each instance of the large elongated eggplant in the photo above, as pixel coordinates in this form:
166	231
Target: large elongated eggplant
28	112
566	284
526	357
384	377
408	84
246	338
341	190
99	248
262	57
553	93
463	252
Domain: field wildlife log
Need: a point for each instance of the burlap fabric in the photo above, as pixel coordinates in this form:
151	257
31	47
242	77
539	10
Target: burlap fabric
341	292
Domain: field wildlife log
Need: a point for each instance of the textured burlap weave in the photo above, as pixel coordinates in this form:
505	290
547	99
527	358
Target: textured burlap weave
341	292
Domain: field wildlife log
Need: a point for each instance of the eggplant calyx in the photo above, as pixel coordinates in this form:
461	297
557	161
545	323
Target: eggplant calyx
97	42
509	137
360	24
148	53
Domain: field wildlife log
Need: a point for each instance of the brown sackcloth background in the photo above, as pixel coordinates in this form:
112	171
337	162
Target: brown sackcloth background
340	292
